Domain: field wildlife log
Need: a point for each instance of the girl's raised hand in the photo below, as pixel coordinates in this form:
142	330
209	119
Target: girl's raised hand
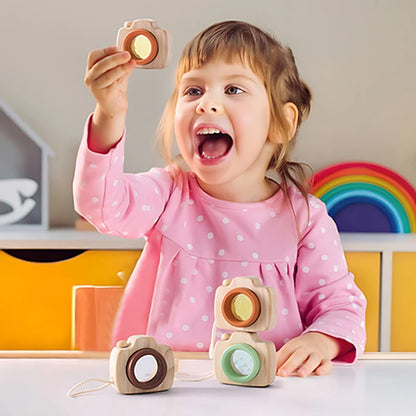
107	75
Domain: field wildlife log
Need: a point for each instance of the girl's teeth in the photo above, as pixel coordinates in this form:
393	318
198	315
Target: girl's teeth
205	156
209	130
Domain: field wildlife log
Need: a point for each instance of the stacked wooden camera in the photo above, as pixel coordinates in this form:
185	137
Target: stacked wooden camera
245	306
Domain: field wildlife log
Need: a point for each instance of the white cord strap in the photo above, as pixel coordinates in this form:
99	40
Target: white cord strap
194	377
212	343
72	394
208	374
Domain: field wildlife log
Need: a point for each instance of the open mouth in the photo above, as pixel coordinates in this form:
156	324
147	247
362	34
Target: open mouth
212	143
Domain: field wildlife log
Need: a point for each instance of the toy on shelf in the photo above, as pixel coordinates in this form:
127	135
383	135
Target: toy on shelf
366	197
140	365
245	306
24	157
148	44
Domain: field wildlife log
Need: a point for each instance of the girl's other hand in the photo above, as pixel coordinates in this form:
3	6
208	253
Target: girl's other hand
308	353
107	74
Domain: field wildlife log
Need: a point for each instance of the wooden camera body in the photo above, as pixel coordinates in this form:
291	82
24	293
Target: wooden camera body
244	304
140	365
149	45
242	358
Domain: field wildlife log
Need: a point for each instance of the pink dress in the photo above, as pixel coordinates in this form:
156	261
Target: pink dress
195	241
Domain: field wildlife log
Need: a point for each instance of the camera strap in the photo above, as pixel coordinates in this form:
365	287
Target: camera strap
179	376
212	343
72	393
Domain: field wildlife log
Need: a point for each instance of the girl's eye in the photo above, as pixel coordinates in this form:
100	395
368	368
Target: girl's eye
193	91
232	90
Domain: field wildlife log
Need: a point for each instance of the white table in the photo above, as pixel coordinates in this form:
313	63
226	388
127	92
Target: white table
38	386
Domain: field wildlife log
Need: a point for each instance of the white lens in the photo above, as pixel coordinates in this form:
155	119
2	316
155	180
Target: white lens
242	363
145	368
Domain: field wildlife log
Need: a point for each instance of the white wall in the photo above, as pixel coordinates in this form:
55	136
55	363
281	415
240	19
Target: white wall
358	56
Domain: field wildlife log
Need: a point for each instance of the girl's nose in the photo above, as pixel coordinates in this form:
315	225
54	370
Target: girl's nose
209	107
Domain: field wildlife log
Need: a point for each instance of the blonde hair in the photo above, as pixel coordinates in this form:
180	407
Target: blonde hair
271	62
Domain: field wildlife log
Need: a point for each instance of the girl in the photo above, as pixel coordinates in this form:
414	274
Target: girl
235	110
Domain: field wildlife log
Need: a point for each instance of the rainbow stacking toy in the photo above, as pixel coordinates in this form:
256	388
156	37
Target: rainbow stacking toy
366	197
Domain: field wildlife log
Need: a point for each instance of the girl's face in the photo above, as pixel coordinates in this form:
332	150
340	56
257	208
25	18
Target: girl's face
221	125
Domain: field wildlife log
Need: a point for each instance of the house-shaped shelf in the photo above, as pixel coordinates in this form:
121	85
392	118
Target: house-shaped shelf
24	174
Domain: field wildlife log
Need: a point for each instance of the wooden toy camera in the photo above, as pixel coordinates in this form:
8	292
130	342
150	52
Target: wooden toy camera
246	306
140	365
148	44
243	358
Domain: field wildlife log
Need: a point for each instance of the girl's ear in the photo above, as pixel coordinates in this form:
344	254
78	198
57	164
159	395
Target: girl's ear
291	115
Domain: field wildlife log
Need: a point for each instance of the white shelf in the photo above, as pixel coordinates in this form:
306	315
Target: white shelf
66	238
69	238
378	242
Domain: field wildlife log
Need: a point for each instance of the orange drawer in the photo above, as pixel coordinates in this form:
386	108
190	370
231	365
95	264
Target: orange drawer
403	303
36	298
366	268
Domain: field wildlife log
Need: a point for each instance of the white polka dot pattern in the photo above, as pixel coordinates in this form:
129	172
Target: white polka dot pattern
203	241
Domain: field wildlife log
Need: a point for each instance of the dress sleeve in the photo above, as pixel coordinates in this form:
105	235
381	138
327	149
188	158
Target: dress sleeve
117	203
329	300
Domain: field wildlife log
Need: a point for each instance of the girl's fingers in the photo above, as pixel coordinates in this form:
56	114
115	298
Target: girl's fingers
105	62
113	75
292	364
313	362
304	355
109	68
302	364
283	354
324	368
98	54
109	62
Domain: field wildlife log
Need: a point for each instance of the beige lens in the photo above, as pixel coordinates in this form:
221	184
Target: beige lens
241	307
141	47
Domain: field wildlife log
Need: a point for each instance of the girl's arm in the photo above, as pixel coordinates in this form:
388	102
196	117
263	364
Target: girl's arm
331	305
117	203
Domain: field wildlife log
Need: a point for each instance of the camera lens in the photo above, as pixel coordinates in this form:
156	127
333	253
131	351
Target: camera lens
241	307
240	363
143	46
146	368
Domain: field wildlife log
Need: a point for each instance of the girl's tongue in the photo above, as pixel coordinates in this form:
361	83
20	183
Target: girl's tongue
214	146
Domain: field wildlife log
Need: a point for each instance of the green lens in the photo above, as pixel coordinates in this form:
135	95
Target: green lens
240	363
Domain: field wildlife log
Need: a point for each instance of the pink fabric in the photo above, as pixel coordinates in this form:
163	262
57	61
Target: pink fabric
195	241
